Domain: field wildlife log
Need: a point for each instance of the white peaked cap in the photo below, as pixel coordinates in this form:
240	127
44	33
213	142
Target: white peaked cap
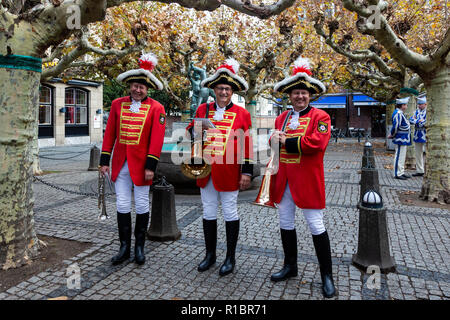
402	101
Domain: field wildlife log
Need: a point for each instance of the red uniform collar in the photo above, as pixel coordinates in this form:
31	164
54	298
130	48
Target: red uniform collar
304	111
143	101
230	105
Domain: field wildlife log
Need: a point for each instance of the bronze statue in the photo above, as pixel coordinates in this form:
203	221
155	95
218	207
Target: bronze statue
199	95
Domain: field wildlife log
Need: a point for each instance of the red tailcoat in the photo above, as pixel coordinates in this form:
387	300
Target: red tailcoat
136	137
224	144
301	159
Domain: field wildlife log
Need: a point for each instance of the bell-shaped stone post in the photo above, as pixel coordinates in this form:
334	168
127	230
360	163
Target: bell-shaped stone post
163	224
373	236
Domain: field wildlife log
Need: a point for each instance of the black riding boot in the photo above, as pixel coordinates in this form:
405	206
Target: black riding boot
289	241
140	231
323	251
124	224
210	232
232	231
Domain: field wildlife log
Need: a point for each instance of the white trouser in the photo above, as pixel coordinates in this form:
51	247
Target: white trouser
210	200
420	148
123	188
286	210
399	160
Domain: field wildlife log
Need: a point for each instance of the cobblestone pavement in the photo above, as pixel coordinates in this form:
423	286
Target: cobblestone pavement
419	241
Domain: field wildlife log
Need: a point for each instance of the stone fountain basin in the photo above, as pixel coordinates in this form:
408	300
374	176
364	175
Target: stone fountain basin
170	166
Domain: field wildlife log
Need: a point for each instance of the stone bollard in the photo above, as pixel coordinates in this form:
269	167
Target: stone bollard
368	159
373	237
369	173
163	224
94	159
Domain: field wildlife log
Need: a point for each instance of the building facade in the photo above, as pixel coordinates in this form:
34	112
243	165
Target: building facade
351	112
70	112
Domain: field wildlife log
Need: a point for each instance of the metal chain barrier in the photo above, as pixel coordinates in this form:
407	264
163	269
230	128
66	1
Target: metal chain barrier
86	194
77	155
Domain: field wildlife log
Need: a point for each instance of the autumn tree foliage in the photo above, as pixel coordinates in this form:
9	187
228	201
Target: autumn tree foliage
399	45
264	48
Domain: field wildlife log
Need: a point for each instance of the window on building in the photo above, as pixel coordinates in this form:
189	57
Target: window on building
76	106
45	105
269	112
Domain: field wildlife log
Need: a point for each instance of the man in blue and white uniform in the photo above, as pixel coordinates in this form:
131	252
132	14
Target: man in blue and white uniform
420	134
401	137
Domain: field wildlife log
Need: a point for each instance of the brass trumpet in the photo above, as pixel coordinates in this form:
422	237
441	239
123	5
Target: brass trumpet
101	196
196	167
263	198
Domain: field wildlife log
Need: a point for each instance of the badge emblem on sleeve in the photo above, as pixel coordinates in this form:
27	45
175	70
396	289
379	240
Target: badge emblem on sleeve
162	118
322	127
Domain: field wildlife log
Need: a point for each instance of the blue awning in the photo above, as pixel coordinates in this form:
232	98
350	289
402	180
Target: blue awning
363	100
330	102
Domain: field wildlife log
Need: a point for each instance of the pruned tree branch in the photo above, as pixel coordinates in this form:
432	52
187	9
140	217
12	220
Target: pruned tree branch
443	48
49	23
381	94
82	46
203	5
49	19
253	70
356	55
415	82
265	87
260	11
271	98
180	102
384	34
376	80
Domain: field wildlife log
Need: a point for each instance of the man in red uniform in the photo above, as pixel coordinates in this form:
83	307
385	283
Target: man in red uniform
231	167
135	130
303	134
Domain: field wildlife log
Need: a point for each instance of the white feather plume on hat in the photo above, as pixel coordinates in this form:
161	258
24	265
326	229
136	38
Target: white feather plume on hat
301	72
231	68
233	64
147	62
301	62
